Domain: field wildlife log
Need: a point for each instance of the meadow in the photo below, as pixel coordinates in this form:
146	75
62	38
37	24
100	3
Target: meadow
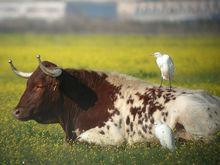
197	66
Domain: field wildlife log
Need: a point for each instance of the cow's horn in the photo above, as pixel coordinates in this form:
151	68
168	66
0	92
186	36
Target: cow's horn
17	72
55	72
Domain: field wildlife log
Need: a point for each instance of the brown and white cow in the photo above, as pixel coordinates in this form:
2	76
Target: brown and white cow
110	108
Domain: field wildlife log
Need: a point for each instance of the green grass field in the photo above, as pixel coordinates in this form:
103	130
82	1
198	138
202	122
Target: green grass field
197	66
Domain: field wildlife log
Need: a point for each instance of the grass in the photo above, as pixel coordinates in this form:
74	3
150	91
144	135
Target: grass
197	66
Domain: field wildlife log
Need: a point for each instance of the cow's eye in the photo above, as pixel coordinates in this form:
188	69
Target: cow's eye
39	86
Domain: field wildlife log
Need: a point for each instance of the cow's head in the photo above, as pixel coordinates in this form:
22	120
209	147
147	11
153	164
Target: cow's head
41	97
47	88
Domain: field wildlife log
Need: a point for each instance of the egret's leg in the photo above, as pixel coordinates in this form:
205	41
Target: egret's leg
161	82
170	82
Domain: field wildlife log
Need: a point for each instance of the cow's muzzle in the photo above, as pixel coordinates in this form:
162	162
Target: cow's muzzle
20	115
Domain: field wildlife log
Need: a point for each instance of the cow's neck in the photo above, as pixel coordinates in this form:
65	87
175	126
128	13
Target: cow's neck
67	119
79	94
92	79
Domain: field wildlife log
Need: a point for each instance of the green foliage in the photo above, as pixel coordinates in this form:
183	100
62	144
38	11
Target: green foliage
197	66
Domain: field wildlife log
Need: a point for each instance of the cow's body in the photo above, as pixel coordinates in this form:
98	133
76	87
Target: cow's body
137	105
110	108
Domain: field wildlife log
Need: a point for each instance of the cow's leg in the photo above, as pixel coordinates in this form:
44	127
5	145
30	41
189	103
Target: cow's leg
175	125
198	116
102	136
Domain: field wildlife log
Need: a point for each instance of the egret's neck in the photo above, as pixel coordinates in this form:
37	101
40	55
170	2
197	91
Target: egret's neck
158	55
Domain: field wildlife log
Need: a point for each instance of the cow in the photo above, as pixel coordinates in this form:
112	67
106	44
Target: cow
109	108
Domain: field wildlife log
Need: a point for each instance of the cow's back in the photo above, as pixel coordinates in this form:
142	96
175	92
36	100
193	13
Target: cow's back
195	111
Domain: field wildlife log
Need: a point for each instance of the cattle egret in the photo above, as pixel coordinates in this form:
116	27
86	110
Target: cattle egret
165	135
165	63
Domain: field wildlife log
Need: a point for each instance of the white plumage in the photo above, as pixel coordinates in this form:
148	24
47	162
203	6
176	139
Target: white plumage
166	65
165	135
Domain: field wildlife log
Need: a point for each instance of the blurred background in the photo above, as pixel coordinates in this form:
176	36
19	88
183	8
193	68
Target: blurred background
110	16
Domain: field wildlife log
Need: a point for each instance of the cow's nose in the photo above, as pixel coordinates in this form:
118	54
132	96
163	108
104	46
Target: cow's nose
21	114
16	112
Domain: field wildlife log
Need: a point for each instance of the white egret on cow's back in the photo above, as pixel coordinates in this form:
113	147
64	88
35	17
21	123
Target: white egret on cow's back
166	65
165	135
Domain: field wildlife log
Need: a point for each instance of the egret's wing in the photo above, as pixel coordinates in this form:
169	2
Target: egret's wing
170	141
170	62
170	65
159	62
165	135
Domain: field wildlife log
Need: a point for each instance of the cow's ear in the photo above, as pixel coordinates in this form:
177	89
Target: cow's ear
76	90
